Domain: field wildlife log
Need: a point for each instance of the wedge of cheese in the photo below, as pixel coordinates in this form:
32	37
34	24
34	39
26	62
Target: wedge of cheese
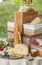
36	21
21	49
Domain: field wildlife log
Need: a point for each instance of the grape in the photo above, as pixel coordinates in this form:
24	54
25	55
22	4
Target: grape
6	55
1	48
34	42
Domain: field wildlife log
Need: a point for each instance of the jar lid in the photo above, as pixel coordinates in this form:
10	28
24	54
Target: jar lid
33	50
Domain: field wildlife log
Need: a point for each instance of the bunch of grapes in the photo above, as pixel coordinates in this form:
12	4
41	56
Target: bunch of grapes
34	42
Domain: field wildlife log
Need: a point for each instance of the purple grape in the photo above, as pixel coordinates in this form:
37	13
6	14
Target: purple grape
6	55
34	42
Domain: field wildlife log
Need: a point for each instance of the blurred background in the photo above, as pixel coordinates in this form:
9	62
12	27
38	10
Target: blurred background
7	9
